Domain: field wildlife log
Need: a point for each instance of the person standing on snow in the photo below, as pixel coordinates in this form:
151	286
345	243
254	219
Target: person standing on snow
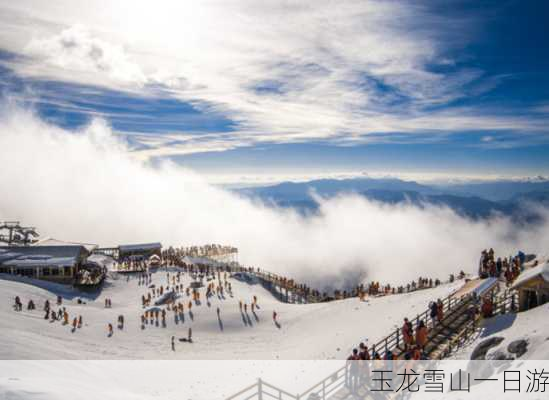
18	305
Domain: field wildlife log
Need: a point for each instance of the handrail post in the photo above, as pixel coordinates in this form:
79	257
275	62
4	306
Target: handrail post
259	389
323	390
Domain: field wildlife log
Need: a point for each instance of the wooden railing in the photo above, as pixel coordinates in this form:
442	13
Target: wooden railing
454	308
262	390
333	383
288	290
465	331
328	386
506	303
394	340
322	390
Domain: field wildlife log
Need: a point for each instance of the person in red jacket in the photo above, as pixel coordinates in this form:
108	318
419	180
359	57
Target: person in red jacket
487	308
363	354
407	332
440	310
352	371
416	353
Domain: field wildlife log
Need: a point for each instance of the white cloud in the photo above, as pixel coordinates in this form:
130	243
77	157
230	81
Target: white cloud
85	186
336	71
165	145
76	50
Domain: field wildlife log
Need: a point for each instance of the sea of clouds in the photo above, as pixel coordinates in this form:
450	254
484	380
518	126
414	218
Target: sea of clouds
85	185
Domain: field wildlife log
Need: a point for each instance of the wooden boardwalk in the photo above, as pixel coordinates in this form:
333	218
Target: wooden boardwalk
458	325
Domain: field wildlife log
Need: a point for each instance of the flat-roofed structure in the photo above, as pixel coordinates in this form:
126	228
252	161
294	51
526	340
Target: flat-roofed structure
54	263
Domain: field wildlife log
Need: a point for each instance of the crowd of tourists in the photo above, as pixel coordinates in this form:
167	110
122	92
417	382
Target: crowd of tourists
50	314
130	265
161	301
508	268
205	251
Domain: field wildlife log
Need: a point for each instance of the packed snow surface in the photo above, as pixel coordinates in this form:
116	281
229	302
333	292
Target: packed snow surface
306	331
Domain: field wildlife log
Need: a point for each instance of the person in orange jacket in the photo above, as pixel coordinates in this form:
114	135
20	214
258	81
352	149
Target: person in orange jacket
421	335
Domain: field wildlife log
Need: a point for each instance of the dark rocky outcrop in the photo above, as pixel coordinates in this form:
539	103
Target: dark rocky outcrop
479	353
499	355
518	347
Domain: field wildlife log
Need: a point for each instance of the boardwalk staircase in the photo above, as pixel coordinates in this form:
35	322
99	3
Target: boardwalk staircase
456	328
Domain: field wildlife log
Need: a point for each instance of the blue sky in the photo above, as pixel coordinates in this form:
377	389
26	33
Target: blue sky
455	87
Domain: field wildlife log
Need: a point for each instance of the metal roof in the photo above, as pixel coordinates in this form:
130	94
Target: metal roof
137	247
486	285
29	256
56	242
53	261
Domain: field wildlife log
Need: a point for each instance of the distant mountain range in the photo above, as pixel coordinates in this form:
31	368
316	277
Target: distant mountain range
474	200
498	190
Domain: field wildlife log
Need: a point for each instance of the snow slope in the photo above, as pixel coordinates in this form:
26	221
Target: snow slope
312	331
532	325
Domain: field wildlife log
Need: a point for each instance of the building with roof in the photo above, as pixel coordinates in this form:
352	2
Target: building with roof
56	242
533	286
57	263
139	251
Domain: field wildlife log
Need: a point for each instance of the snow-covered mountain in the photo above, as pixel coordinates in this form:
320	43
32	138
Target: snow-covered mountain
293	356
474	200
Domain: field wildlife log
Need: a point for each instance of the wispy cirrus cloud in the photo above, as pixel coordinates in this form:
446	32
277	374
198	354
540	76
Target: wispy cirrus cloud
281	72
